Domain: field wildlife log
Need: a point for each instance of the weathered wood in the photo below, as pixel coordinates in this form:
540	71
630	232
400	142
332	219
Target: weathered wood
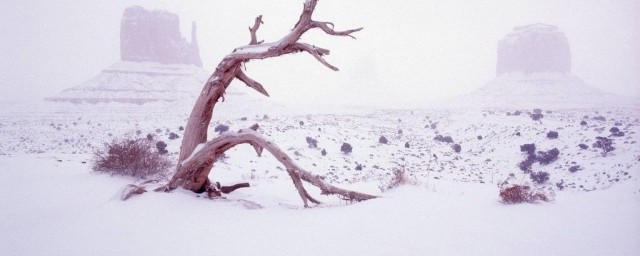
194	175
194	165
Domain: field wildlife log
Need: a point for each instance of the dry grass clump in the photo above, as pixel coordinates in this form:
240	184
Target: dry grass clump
399	178
137	158
516	194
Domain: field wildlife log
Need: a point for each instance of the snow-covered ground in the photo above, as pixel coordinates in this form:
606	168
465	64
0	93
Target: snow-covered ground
54	205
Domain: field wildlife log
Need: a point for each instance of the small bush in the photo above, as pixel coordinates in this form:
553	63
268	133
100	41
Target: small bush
583	123
536	117
530	149
583	146
539	177
516	194
614	130
456	148
323	152
383	140
548	157
605	144
552	135
479	137
574	168
346	148
221	128
441	138
131	158
161	147
173	136
406	145
149	137
359	167
526	164
313	143
618	134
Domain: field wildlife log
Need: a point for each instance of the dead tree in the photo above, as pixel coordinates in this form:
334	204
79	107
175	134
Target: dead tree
197	155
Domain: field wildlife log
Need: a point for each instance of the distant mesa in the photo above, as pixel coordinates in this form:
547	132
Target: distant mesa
157	64
534	48
533	69
155	36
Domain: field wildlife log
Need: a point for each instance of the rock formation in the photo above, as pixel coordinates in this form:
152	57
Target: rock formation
534	48
155	36
158	65
534	71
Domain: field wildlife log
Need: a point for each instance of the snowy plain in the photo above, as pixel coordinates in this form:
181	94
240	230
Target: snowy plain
53	204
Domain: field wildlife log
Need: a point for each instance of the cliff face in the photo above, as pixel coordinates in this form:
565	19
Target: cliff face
534	48
155	36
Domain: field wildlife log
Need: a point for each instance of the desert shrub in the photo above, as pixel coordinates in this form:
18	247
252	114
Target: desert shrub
618	134
383	140
399	131
516	194
434	126
517	113
173	136
149	137
600	118
605	144
583	123
537	111
614	130
575	168
301	123
221	128
539	177
359	167
441	138
346	148
536	116
323	152
161	147
530	149
517	133
552	135
548	157
479	137
131	158
583	146
313	143
406	145
526	164
456	148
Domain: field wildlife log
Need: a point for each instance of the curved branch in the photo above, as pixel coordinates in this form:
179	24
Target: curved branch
194	177
329	30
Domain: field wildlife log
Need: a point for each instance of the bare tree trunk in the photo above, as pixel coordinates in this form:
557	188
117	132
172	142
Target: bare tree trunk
194	165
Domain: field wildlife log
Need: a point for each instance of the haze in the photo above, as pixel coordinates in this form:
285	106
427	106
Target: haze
407	54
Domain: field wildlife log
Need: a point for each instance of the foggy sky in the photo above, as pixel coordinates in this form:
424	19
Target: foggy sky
408	52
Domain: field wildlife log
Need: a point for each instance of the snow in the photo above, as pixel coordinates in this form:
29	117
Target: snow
53	204
63	209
